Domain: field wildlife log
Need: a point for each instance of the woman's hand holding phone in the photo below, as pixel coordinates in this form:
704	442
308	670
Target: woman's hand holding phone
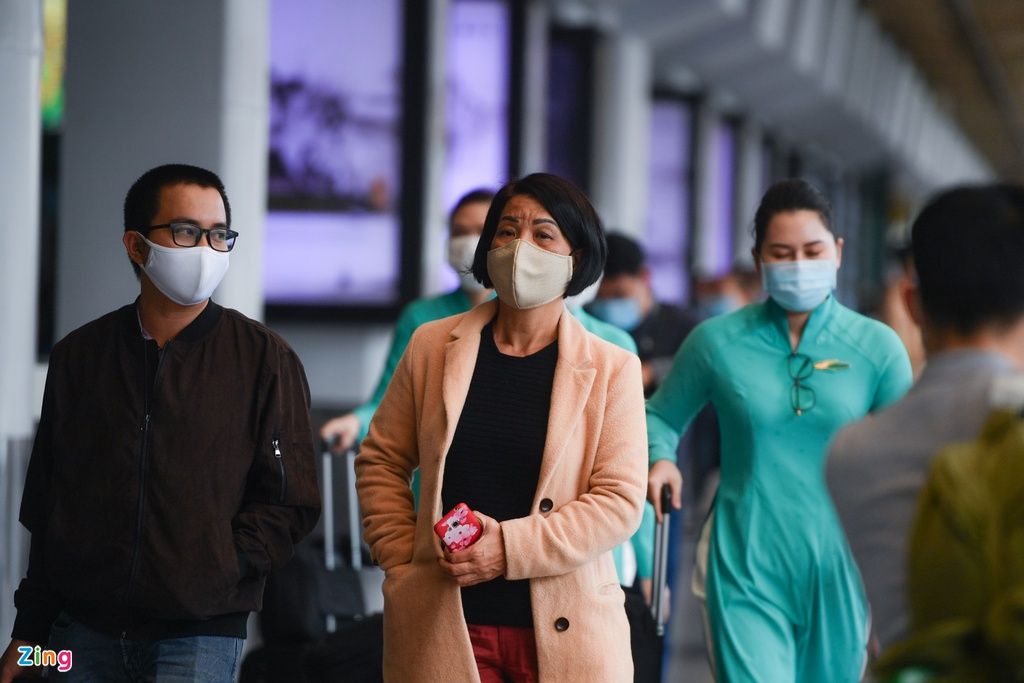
480	562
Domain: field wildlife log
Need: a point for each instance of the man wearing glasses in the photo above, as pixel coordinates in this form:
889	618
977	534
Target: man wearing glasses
173	466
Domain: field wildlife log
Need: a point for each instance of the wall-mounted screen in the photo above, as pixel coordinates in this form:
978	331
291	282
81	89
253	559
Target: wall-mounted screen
333	229
667	239
570	103
477	66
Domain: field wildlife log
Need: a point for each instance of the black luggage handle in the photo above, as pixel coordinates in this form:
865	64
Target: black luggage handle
355	536
660	578
355	550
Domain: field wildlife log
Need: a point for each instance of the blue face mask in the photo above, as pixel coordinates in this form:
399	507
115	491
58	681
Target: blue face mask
799	286
623	312
718	304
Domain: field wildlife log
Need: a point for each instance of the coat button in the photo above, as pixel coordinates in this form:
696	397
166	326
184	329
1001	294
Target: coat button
561	624
546	505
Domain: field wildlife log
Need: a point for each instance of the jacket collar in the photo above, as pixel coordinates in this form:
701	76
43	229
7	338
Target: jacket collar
198	329
570	388
815	323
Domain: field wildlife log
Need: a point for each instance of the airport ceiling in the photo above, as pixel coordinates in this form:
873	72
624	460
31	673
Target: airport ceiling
968	53
971	52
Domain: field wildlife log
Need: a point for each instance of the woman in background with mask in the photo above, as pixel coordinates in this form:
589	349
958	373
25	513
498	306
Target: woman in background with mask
516	410
783	595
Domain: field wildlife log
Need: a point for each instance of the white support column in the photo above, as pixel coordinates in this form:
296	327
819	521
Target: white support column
533	108
749	187
148	84
705	170
622	120
244	130
21	48
434	218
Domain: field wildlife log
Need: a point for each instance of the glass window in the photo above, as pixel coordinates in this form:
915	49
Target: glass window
570	103
667	239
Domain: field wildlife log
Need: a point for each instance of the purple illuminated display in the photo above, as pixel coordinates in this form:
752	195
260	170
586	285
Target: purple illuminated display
333	231
477	105
668	204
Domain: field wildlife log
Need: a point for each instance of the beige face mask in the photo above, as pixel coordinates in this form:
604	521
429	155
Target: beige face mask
526	276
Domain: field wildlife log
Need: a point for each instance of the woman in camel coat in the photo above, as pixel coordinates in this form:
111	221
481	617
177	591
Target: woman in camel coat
539	427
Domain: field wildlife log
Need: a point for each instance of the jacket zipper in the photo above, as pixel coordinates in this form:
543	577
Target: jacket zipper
280	468
136	551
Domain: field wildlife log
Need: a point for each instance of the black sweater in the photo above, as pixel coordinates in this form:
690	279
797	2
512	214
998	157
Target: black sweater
494	460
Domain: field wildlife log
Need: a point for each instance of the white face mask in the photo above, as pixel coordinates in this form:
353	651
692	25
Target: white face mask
526	276
461	251
799	286
186	276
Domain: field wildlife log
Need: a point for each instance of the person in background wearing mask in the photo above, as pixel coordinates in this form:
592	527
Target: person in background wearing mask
516	410
784	601
173	466
465	223
625	300
727	293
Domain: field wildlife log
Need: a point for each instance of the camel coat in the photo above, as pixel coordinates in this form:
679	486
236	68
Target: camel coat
589	499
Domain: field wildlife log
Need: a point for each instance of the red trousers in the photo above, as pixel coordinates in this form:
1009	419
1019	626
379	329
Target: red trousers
504	654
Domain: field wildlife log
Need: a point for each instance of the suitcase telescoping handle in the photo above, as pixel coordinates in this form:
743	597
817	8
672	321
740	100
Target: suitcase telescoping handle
661	540
355	551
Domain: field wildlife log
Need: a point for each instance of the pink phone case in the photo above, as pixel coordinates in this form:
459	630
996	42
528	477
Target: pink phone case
459	529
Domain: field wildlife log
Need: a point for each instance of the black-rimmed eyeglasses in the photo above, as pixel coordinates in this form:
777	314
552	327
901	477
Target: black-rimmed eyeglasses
801	396
189	235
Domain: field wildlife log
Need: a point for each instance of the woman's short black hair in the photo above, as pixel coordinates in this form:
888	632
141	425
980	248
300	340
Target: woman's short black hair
786	196
574	214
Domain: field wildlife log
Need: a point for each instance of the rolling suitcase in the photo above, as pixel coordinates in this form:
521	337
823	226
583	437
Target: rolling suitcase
659	608
647	622
316	596
352	649
304	600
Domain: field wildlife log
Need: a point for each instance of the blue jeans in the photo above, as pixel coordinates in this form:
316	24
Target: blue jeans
97	656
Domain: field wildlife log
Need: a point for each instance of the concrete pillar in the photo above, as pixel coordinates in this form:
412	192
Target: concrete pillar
532	104
147	84
622	123
749	189
21	49
705	170
434	213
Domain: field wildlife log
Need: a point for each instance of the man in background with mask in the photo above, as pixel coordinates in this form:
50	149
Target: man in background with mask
625	299
173	467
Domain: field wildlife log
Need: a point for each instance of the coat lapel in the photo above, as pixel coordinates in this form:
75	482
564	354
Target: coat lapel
459	362
574	377
573	380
